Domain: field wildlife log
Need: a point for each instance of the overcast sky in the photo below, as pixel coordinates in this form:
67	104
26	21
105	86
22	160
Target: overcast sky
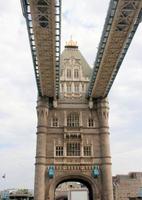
84	21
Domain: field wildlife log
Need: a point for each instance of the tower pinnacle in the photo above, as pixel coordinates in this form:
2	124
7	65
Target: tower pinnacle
71	43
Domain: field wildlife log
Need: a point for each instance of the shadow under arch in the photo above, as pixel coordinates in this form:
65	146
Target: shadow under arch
62	197
87	181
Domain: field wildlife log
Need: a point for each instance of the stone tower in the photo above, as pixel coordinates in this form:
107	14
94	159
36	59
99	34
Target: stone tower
73	134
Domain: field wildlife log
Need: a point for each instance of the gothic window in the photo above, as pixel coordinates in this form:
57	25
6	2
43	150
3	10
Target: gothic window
55	122
87	150
73	149
90	122
68	73
76	88
76	73
59	150
73	120
68	88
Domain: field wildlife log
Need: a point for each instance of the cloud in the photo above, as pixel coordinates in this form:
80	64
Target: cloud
126	113
18	99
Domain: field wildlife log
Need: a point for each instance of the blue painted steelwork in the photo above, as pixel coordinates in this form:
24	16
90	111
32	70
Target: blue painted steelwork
51	171
140	193
96	171
28	17
5	195
102	44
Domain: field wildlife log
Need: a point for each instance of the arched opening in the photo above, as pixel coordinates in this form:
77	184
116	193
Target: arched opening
76	183
71	190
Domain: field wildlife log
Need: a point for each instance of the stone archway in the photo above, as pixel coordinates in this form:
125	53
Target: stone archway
87	181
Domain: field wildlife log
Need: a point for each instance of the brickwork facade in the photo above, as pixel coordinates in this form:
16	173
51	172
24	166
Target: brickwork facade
128	186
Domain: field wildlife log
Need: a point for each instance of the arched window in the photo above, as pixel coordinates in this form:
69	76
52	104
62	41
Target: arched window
90	122
76	73
73	120
54	121
68	73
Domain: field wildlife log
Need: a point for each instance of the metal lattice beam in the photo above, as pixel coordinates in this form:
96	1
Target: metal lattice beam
122	20
43	18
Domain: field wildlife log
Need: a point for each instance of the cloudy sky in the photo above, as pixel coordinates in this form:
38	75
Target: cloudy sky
84	21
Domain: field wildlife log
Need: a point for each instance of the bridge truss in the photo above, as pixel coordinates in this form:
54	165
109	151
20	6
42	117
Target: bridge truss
121	23
43	18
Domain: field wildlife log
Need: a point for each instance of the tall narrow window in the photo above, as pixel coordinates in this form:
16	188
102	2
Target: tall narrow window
83	88
90	122
76	73
55	122
59	150
87	150
73	149
73	120
76	88
68	73
62	87
69	88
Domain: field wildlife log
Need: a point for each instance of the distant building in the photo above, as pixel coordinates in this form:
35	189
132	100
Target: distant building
71	191
16	194
128	187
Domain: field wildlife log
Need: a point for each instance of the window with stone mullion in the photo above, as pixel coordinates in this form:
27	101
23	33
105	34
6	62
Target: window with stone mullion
55	122
76	73
87	150
73	149
59	150
73	120
90	122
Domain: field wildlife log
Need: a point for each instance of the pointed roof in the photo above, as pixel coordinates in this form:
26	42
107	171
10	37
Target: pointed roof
71	51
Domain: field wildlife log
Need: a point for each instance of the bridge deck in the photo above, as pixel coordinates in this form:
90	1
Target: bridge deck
43	19
121	23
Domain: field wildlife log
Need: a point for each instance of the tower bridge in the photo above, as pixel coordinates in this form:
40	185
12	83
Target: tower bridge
72	106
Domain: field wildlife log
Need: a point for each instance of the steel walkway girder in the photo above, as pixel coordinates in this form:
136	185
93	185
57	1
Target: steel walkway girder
122	20
43	19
